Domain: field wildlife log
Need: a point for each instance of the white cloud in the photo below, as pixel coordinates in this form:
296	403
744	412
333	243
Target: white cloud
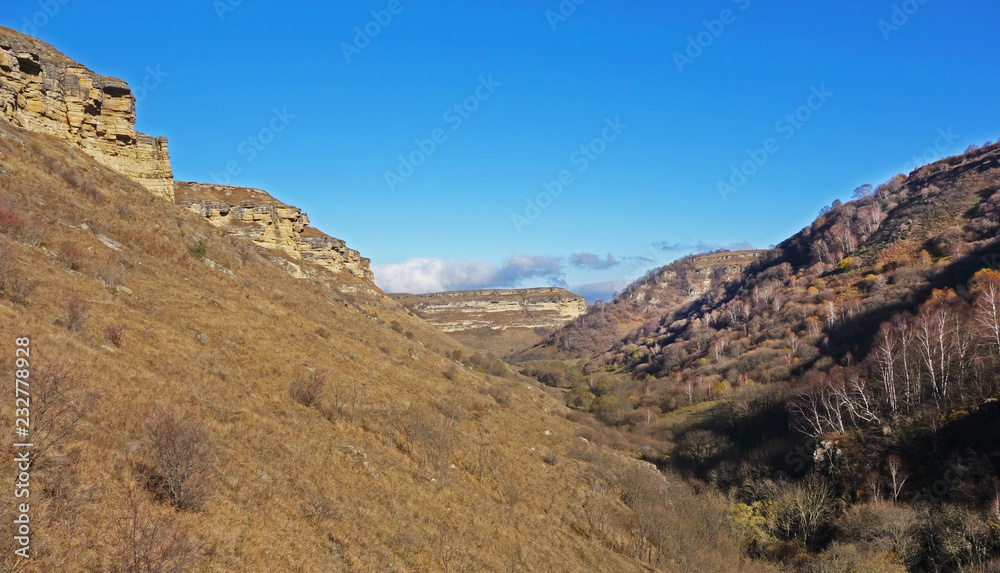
417	276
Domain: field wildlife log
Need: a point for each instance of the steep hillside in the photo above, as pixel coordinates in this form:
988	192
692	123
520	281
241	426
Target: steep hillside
195	407
853	364
643	303
499	321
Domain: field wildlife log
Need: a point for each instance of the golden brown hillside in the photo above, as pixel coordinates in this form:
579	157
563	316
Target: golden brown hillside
230	417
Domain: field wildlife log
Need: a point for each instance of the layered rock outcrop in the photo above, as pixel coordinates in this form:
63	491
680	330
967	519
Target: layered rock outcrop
45	91
271	224
497	309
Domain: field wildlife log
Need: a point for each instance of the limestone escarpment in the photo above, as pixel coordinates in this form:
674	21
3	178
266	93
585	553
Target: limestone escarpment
271	224
497	309
44	91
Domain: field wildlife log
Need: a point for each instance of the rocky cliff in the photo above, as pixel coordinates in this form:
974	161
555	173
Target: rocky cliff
271	224
43	90
497	309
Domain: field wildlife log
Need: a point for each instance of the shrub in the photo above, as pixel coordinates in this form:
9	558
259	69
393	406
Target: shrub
114	333
307	390
180	453
149	542
76	309
804	510
58	404
199	251
18	288
71	256
124	211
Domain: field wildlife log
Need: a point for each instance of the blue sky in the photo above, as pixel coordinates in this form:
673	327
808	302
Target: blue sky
662	119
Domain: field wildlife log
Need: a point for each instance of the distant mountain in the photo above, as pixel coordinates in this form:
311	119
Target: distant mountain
497	321
852	370
645	300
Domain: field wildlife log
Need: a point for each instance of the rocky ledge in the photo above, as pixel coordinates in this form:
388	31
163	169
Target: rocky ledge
45	91
497	309
271	224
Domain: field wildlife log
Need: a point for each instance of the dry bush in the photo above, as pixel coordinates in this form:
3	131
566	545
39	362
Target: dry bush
20	227
805	510
115	334
111	273
150	542
19	288
125	211
13	283
58	405
181	456
75	309
244	251
429	435
885	527
71	256
501	394
308	390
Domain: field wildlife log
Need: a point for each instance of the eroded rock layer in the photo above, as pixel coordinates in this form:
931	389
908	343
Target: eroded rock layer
497	309
271	224
44	91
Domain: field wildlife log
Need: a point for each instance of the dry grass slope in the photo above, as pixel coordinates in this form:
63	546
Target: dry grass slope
181	440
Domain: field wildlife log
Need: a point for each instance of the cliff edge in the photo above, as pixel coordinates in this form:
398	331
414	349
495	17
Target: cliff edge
43	90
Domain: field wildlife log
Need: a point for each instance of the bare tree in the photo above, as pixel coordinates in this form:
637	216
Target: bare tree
794	343
932	334
719	349
886	356
988	310
897	475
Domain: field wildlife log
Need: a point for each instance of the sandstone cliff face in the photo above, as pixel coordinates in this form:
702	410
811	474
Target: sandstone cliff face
271	224
700	275
497	309
43	90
